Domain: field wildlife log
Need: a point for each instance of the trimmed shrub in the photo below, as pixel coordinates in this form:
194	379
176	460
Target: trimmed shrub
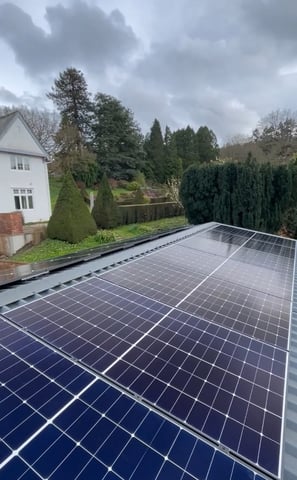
105	211
71	220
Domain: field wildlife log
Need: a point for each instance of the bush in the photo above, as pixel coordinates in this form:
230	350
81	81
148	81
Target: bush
290	222
105	236
71	220
105	211
132	186
139	197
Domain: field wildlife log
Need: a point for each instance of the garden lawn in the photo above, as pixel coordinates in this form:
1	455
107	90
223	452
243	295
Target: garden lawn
56	248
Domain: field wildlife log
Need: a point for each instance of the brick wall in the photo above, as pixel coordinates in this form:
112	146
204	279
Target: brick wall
11	223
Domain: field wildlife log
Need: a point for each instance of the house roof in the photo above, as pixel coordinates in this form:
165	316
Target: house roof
233	267
7	120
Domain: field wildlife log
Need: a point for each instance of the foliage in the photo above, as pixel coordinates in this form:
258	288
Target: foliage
140	178
149	212
139	197
56	248
132	186
173	188
154	147
71	97
247	194
105	211
207	145
118	141
172	163
289	221
186	146
104	236
197	192
71	220
71	155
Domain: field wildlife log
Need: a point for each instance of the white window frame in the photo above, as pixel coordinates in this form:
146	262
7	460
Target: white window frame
17	162
23	198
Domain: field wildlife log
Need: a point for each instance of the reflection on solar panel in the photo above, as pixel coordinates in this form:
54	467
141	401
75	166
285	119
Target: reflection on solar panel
58	421
198	331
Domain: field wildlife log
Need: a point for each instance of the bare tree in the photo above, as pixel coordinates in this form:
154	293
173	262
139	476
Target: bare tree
44	123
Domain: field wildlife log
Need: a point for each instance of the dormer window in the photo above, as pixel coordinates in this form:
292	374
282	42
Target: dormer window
17	162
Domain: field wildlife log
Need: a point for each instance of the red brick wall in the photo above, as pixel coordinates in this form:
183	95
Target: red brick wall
11	223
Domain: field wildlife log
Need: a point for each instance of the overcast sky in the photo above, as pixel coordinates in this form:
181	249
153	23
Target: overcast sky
220	63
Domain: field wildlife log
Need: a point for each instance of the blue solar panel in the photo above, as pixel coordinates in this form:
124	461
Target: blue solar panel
95	322
219	372
95	432
221	383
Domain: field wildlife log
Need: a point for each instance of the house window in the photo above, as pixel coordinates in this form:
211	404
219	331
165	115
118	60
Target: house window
19	163
23	198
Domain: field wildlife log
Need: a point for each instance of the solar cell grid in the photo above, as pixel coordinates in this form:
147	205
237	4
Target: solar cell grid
262	279
166	276
265	260
199	243
272	239
99	433
229	230
245	310
272	248
94	322
220	381
226	385
225	237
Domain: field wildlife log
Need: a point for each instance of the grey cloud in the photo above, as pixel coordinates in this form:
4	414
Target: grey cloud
6	96
79	34
212	62
9	98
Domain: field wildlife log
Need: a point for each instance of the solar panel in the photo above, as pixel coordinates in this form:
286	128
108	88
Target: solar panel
243	309
221	383
198	331
92	430
94	322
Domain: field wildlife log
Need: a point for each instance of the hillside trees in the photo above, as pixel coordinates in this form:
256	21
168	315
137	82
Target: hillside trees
71	97
73	101
207	145
72	155
117	139
186	146
276	135
154	147
172	162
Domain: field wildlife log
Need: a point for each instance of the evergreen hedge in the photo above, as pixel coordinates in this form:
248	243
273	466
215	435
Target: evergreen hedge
71	220
148	212
246	194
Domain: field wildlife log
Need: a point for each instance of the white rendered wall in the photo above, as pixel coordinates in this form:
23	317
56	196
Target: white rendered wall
36	179
18	139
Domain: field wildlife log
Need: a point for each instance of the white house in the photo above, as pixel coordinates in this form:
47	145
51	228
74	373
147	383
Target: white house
23	171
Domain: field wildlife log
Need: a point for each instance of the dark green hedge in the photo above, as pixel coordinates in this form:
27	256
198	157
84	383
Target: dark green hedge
246	194
146	213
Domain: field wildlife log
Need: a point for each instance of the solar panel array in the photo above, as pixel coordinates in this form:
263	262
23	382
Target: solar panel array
159	364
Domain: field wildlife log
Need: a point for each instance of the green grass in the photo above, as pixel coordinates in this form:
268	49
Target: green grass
55	248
